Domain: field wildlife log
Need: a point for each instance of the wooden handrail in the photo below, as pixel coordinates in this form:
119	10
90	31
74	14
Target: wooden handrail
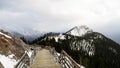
23	61
67	61
54	53
64	59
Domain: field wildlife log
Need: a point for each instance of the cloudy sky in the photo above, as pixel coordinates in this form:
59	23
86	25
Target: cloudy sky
60	15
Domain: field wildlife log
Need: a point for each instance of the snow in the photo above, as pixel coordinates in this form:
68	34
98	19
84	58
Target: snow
5	35
11	56
57	37
91	53
58	54
113	50
29	53
83	45
79	31
62	36
98	37
7	62
29	34
82	66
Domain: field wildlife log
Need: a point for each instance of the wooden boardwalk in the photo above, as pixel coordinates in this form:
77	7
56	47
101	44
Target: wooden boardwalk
44	59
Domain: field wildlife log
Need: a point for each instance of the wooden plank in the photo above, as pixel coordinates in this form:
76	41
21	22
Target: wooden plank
44	59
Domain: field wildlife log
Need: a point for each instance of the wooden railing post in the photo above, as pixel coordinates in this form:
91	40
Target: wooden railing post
25	60
64	59
67	61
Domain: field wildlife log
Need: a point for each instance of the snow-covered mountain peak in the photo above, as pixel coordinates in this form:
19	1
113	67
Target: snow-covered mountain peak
28	33
79	30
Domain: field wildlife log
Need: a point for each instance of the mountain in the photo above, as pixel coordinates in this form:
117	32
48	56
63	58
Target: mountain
88	48
11	49
79	31
28	33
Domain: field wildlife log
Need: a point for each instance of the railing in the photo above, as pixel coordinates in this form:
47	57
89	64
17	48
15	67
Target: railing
66	61
54	53
24	61
35	51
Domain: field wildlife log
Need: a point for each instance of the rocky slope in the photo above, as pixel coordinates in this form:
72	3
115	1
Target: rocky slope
11	49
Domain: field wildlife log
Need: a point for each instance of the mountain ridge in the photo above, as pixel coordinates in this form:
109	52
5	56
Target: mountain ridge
27	33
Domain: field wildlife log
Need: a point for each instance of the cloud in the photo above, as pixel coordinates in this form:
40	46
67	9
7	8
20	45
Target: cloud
79	12
61	15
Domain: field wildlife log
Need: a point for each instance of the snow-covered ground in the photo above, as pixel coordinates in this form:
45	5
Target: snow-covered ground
5	35
83	45
8	61
57	37
82	66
